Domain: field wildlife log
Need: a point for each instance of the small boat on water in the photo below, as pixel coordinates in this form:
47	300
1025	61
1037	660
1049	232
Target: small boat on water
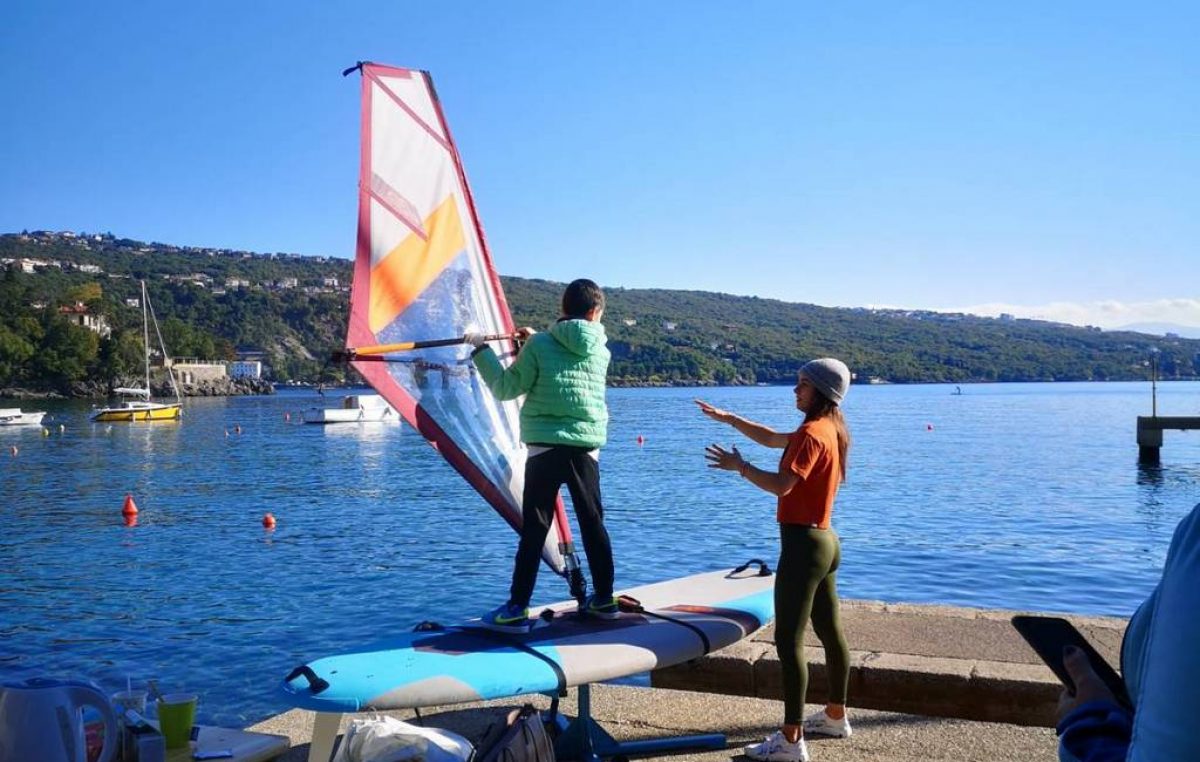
137	405
135	409
356	408
12	416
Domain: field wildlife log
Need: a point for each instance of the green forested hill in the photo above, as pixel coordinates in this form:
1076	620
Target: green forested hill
212	303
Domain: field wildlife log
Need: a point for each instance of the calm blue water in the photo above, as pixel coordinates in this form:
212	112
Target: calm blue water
1020	496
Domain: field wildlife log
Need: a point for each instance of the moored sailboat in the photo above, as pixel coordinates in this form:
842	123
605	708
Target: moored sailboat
138	405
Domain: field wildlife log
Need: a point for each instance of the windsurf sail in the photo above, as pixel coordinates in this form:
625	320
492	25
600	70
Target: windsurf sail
422	271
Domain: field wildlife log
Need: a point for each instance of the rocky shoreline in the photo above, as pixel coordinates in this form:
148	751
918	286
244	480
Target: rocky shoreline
224	387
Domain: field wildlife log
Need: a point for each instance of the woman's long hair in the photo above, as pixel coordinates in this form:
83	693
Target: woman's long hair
823	407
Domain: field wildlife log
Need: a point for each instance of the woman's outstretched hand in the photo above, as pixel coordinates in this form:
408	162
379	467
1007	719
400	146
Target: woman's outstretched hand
726	460
715	413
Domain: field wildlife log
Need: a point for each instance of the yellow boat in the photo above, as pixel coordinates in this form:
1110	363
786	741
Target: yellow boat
137	410
137	406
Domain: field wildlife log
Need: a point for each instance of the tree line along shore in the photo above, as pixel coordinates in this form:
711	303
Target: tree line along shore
70	325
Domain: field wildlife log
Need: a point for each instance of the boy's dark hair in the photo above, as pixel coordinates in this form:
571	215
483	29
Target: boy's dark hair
581	297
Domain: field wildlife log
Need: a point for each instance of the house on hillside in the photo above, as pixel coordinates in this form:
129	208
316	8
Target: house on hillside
80	315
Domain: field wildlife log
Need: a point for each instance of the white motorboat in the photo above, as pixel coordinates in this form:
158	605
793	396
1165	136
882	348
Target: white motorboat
356	408
13	416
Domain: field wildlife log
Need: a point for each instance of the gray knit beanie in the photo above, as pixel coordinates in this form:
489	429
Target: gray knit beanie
830	376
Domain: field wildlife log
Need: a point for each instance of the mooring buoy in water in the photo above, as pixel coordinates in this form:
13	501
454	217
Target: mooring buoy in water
129	511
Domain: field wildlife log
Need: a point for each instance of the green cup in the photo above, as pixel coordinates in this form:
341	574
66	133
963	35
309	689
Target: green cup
176	716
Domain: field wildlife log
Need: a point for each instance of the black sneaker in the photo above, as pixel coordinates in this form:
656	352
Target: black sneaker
507	618
602	608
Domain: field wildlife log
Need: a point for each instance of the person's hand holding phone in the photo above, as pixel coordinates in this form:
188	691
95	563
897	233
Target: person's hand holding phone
1088	685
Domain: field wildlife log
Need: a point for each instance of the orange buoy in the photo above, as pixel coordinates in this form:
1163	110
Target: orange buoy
130	508
268	521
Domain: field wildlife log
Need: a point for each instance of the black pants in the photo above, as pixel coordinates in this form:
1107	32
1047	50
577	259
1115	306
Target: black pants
544	475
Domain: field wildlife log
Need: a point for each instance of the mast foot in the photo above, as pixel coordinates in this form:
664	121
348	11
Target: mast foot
583	739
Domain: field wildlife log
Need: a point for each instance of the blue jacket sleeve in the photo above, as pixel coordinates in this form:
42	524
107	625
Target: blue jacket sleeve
1098	731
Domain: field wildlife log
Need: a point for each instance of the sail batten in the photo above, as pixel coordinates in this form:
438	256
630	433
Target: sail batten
422	271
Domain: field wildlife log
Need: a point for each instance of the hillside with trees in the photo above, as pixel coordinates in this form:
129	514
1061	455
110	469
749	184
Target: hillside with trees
216	303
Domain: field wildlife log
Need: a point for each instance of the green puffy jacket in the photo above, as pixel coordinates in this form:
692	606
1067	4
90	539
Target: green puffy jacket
561	373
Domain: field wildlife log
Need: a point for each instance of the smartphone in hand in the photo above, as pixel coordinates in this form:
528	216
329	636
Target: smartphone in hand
1049	635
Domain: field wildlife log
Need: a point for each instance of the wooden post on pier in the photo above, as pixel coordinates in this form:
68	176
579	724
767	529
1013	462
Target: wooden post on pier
1150	433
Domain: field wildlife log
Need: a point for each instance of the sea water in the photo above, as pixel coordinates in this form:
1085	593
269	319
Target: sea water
1021	496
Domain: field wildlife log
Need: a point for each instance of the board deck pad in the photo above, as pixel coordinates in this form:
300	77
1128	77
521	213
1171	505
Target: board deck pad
683	619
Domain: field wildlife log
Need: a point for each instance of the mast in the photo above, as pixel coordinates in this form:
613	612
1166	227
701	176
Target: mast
146	336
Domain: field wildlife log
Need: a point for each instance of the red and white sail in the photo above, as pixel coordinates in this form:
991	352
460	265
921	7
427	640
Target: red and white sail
422	271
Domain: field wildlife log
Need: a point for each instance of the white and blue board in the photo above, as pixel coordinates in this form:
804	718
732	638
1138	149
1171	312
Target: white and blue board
683	619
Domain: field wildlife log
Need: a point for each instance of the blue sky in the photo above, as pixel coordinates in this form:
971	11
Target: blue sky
1037	158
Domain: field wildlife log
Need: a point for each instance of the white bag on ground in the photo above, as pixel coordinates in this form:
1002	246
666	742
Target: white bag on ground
386	739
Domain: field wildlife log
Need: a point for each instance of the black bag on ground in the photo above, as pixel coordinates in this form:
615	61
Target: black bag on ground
522	738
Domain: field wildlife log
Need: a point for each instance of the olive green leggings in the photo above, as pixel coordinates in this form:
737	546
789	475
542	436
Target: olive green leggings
806	586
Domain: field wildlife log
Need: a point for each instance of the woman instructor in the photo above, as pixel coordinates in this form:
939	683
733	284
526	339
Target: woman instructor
806	482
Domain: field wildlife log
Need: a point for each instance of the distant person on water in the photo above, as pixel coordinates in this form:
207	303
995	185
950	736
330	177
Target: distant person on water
1160	664
564	423
806	482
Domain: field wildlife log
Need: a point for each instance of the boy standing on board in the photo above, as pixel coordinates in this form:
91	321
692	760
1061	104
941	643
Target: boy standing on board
564	422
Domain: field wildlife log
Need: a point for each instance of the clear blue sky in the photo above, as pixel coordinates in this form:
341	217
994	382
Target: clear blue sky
1009	155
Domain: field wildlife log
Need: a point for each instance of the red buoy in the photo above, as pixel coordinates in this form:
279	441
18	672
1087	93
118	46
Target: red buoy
640	440
130	508
268	521
929	427
130	519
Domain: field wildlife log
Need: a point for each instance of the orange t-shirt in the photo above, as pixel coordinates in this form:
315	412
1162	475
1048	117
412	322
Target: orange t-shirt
811	454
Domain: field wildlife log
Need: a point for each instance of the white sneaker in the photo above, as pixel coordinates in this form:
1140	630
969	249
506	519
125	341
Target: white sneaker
821	724
776	748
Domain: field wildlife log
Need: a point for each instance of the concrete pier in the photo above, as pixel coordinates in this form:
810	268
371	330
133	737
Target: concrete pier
633	714
1150	433
936	661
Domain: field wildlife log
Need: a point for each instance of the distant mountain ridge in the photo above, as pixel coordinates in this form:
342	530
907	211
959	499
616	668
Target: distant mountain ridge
1163	329
293	308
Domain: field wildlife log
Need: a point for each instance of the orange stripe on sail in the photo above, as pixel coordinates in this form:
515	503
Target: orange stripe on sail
408	269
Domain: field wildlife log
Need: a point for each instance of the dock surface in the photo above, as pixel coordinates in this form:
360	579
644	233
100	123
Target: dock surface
940	661
631	714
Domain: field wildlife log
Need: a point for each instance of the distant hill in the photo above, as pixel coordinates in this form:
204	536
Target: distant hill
1164	329
214	302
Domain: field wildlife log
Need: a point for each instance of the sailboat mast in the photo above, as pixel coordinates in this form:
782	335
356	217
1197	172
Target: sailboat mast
146	337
